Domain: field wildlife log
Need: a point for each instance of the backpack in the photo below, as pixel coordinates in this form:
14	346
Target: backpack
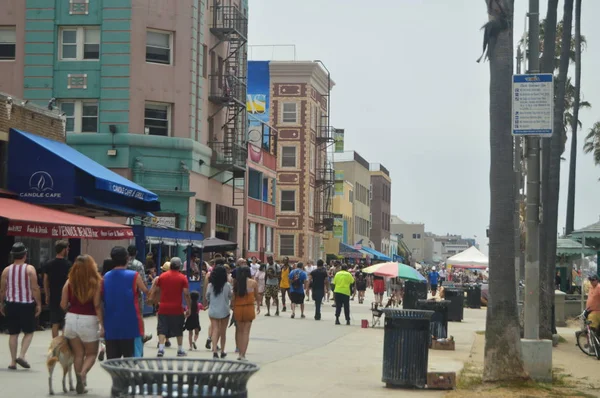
296	284
271	273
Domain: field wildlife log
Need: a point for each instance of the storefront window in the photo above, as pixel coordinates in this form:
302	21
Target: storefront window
269	240
253	237
39	251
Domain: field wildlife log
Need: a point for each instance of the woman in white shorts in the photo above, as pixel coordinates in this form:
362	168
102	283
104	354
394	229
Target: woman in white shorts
83	322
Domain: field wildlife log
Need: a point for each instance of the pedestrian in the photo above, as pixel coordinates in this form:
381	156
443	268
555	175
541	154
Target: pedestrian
56	272
192	322
343	280
361	285
20	303
434	277
284	283
319	279
218	296
259	277
378	288
171	286
122	319
297	281
310	267
137	266
272	285
244	299
81	298
254	266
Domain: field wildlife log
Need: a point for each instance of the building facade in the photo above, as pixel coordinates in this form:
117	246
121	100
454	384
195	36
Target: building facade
412	234
153	91
344	220
300	112
381	207
355	169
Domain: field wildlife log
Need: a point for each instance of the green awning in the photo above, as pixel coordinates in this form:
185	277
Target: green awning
570	247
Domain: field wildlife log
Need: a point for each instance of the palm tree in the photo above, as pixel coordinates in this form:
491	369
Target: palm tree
502	336
574	123
592	142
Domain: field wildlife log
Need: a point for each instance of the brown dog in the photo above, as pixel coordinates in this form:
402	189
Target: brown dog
60	352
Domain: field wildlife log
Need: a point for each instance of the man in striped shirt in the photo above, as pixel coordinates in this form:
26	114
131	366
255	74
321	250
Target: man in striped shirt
20	303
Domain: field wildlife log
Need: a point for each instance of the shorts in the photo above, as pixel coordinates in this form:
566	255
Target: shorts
378	286
57	315
244	313
297	298
170	325
84	327
124	348
272	291
20	317
138	347
594	318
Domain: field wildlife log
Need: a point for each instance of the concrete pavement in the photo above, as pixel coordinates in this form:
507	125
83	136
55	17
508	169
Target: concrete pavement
298	357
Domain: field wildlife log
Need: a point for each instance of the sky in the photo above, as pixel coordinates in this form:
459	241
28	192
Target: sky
410	96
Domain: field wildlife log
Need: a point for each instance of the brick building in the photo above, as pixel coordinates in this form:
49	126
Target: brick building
18	114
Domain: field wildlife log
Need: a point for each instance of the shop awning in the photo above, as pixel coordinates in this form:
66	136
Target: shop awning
49	172
213	245
348	251
168	237
25	219
376	255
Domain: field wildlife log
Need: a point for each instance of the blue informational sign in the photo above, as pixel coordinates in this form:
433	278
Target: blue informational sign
533	105
258	98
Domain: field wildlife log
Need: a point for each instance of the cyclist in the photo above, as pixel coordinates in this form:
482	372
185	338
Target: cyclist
593	303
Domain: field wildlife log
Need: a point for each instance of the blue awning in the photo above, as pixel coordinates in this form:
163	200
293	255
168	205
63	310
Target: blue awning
376	255
350	252
49	172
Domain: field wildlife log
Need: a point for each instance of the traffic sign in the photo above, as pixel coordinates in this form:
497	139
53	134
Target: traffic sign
533	105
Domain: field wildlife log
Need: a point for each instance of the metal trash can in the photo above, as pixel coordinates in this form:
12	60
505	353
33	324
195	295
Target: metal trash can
406	347
178	377
438	324
456	296
474	296
413	291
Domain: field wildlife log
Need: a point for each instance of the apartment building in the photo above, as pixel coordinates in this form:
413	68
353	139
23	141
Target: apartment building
296	95
343	224
412	234
156	91
381	207
354	168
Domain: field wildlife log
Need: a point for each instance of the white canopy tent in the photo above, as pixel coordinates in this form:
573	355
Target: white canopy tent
470	258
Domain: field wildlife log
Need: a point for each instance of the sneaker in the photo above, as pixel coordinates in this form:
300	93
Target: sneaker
181	353
194	345
223	355
347	322
284	309
277	313
208	344
167	343
160	354
147	338
215	355
101	356
337	322
267	314
293	315
302	316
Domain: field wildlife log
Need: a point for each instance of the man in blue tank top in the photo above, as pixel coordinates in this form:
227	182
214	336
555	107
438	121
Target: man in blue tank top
123	322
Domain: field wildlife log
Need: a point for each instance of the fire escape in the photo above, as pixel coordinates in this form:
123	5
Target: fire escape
325	173
227	90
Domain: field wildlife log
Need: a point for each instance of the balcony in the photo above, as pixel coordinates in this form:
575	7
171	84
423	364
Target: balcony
227	155
227	89
228	22
261	209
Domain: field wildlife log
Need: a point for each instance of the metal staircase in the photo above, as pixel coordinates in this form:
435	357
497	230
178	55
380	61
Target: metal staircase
227	89
325	174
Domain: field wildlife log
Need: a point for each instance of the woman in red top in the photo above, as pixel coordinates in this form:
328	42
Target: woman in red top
83	322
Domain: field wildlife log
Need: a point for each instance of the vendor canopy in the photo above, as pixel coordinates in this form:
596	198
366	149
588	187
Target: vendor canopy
470	258
25	219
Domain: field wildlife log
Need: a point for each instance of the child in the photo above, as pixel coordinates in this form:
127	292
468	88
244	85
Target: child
192	323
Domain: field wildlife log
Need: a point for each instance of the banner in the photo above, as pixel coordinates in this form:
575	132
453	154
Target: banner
257	102
338	228
339	183
338	139
58	231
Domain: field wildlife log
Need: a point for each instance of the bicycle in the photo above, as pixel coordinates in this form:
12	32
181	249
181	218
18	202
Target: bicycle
587	339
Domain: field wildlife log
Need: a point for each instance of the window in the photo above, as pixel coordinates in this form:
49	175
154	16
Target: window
205	61
313	117
8	43
82	116
312	157
80	44
288	200
288	156
254	184
253	237
289	112
286	245
269	240
156	119
158	47
311	202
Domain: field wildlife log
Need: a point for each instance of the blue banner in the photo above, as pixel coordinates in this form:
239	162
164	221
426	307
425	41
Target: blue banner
258	99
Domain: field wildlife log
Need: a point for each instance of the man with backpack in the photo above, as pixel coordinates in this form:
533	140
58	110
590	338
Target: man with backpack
297	280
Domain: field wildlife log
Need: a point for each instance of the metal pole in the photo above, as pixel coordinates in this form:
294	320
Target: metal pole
582	279
532	261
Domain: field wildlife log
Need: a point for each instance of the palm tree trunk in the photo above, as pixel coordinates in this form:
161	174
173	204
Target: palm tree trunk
574	123
502	337
547	274
557	145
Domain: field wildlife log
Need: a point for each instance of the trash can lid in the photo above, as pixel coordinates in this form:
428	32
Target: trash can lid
407	314
179	366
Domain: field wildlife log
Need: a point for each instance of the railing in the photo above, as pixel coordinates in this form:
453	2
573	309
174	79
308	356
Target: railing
228	20
325	175
227	88
262	209
227	154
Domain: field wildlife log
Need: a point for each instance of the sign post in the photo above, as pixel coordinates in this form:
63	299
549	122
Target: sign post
533	105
